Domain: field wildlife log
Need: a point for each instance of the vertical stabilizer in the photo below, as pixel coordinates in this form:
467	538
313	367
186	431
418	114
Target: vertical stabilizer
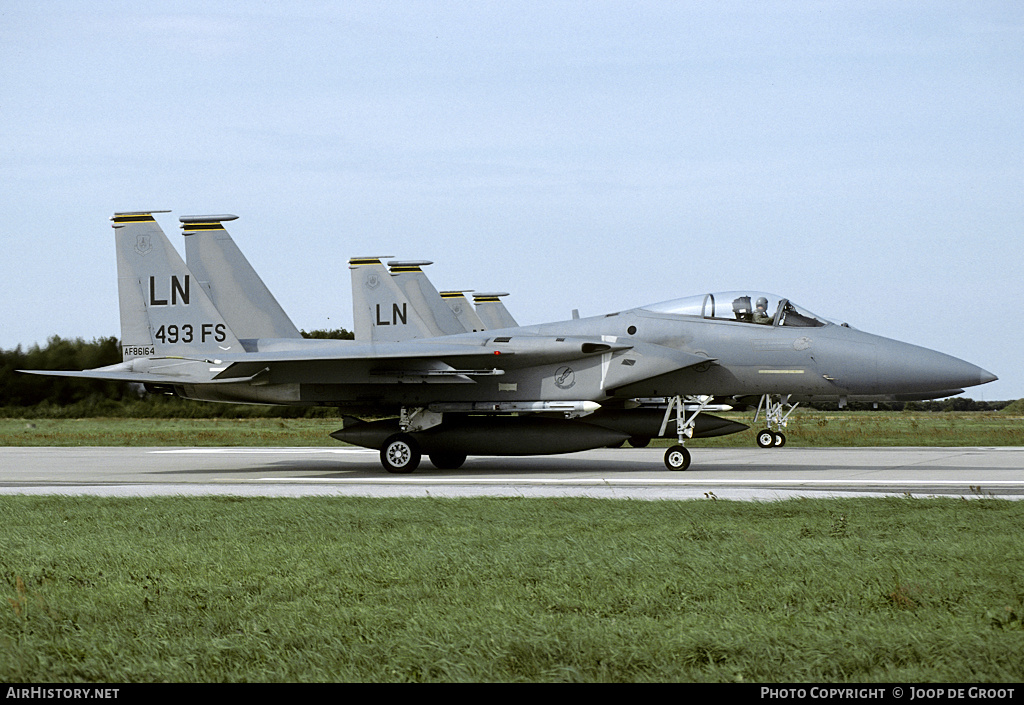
381	312
164	311
463	310
492	312
425	298
233	285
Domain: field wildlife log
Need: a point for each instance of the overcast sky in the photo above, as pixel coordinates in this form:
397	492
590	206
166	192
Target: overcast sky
865	159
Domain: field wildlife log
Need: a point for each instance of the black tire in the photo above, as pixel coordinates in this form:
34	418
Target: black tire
765	438
677	458
447	461
400	454
639	441
780	439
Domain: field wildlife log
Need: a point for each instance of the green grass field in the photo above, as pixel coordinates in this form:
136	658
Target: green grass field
806	428
350	589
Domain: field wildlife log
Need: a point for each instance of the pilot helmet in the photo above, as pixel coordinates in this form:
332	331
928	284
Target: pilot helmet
762	303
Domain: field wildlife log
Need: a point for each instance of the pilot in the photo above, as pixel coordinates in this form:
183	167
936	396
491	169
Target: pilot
761	312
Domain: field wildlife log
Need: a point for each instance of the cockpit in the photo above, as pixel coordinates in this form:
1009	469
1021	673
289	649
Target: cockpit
756	308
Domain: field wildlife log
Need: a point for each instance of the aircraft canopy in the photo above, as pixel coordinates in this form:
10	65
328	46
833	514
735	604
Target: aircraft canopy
742	306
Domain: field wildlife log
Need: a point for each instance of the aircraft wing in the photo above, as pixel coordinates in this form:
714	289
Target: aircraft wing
441	361
447	361
472	355
353	362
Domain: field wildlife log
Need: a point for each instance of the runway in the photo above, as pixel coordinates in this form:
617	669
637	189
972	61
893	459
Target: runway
716	473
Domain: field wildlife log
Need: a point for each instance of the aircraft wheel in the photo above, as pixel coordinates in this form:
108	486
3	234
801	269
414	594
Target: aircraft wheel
447	461
639	441
400	453
780	439
677	458
765	438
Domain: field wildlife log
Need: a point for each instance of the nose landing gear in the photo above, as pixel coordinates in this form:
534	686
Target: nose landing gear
766	438
776	415
678	457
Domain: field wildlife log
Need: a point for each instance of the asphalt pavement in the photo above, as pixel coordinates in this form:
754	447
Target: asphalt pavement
635	473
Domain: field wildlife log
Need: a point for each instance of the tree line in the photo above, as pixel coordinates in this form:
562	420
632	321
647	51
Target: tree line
23	395
935	405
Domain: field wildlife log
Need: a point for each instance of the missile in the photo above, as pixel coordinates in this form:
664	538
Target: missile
645	422
569	408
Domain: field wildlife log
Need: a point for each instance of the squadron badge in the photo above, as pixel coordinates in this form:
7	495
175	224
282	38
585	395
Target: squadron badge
144	244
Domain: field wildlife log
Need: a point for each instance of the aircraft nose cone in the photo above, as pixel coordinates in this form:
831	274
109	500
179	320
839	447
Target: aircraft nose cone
972	374
923	369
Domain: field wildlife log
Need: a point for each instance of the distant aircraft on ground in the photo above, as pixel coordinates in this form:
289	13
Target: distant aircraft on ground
463	310
492	312
211	331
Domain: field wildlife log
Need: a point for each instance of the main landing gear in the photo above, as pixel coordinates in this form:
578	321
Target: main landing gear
401	455
776	415
678	457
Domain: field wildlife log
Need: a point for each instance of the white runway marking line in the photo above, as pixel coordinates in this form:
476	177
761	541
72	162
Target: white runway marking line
261	451
625	483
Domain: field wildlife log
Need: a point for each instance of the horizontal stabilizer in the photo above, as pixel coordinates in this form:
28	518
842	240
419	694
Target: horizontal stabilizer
154	371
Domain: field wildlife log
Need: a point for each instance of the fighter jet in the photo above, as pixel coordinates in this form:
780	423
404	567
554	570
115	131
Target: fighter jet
399	304
410	293
551	388
416	296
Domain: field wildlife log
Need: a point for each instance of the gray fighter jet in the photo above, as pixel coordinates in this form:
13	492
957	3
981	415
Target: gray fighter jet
410	293
399	304
551	388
